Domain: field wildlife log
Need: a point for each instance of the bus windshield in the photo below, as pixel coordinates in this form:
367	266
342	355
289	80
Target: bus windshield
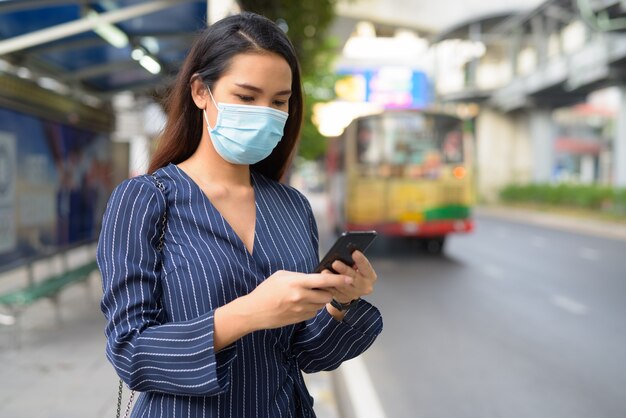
408	144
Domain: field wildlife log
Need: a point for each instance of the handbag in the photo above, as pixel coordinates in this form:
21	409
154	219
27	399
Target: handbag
159	249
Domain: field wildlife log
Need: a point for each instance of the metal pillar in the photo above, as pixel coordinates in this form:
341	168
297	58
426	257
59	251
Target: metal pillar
619	144
475	35
514	48
542	136
540	40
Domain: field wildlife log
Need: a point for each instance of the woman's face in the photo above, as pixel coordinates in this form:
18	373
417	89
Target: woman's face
253	79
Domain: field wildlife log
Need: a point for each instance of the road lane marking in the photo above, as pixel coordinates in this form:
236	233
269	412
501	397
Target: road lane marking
589	254
569	305
363	397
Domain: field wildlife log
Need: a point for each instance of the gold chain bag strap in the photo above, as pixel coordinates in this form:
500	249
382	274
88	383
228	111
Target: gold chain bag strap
159	248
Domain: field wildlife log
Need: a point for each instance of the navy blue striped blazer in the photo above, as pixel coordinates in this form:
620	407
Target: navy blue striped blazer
160	304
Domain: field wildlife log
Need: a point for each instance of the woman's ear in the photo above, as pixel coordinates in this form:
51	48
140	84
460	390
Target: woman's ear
199	93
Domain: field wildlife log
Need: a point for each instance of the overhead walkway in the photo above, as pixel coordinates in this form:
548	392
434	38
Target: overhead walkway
553	56
563	72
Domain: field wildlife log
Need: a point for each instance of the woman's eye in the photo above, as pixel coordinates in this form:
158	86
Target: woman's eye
280	103
245	98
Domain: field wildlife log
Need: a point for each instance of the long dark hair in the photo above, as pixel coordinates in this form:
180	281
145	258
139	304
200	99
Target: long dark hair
209	58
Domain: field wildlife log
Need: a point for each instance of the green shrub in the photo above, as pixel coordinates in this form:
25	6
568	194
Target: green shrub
619	204
591	197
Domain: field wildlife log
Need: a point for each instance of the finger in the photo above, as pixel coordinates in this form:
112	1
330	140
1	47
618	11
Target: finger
342	268
319	296
325	280
340	294
344	297
307	312
363	265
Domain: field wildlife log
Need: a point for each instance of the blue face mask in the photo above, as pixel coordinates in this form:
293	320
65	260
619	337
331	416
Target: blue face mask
245	134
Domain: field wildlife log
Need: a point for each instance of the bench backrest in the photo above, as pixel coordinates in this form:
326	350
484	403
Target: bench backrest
40	268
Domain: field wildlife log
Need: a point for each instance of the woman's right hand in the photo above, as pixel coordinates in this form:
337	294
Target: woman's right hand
284	298
287	298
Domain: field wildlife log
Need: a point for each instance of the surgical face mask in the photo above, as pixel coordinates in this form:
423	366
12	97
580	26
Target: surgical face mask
245	134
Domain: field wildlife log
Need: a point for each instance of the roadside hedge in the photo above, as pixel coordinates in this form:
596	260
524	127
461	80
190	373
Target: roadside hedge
590	197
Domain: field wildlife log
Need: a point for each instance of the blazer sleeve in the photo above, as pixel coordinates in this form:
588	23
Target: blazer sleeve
149	352
323	343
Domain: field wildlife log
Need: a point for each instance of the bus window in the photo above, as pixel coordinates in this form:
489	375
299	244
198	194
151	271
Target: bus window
450	136
411	146
407	144
368	146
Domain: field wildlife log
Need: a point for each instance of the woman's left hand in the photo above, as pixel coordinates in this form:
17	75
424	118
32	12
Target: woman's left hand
364	278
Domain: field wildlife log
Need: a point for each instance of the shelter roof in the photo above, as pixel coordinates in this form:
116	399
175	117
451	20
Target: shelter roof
65	40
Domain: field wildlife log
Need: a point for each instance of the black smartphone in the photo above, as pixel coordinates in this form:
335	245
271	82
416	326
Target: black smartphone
346	244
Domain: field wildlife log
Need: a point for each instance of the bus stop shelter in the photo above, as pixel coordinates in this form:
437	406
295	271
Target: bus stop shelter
96	49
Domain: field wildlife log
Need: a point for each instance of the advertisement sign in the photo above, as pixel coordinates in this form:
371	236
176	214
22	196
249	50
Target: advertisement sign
55	180
391	87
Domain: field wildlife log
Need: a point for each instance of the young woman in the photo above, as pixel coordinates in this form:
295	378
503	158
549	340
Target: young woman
211	308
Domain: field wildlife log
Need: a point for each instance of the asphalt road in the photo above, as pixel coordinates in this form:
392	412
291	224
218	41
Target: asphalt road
513	321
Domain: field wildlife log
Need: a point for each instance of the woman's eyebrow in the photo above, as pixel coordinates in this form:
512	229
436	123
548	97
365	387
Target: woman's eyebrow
260	90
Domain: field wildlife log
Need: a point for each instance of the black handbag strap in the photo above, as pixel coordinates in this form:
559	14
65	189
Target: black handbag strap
164	220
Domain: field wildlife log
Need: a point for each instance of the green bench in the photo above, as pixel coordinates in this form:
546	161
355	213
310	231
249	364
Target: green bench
16	300
46	288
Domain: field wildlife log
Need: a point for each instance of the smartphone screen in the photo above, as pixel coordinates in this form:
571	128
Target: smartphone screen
346	244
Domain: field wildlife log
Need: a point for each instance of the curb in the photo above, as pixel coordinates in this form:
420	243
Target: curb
586	226
354	391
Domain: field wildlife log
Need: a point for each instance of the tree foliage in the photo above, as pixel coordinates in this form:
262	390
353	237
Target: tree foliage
306	22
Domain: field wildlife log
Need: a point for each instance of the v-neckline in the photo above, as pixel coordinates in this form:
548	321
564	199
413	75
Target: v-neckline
249	251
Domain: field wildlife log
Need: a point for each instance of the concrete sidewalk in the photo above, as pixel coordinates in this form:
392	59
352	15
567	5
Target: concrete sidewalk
581	225
60	370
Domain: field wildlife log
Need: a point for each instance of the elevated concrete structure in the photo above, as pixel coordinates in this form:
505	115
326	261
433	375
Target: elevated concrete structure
552	56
